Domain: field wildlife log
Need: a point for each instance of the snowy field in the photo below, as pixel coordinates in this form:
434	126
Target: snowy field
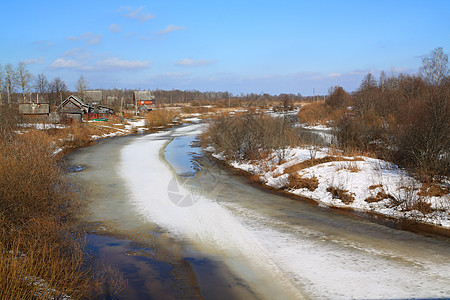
369	185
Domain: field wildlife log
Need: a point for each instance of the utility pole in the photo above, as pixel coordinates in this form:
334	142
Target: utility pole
229	100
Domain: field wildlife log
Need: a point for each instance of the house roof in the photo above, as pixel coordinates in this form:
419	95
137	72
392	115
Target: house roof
75	101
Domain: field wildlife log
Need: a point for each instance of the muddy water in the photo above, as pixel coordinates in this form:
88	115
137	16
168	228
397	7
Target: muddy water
179	226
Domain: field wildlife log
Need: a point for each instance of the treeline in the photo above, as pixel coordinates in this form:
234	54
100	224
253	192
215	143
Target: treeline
17	85
404	118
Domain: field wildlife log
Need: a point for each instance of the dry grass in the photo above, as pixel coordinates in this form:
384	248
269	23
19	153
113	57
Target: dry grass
350	166
316	161
313	113
160	118
41	247
375	186
345	196
198	109
380	195
433	190
298	182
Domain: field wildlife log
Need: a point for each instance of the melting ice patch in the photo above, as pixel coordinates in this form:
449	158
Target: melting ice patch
206	225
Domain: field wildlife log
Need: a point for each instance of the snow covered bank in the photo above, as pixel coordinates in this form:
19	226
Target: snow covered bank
359	183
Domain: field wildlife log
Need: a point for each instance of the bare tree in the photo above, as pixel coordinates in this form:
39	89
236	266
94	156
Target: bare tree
57	87
24	79
81	87
41	85
1	84
10	81
337	97
435	66
382	80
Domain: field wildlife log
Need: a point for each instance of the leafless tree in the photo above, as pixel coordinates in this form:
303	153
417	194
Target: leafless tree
24	79
41	85
1	84
81	87
57	87
10	81
337	97
435	66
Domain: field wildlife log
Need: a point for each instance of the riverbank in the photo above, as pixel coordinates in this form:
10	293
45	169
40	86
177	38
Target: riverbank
234	233
42	248
361	184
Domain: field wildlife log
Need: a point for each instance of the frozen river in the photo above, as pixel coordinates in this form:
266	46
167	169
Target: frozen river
179	226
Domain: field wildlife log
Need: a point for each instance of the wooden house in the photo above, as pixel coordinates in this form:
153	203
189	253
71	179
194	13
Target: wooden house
74	109
34	109
143	98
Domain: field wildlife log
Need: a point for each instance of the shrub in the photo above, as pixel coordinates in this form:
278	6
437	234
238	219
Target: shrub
315	112
298	182
250	136
41	247
424	143
160	117
337	98
338	193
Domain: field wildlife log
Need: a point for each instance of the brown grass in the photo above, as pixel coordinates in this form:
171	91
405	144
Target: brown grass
315	112
41	247
350	166
422	206
372	187
433	190
160	117
298	182
317	161
380	195
344	195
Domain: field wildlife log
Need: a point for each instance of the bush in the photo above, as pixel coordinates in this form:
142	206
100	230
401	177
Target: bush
250	136
424	143
41	246
315	112
160	117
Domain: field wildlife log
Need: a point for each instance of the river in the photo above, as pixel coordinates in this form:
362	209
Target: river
177	225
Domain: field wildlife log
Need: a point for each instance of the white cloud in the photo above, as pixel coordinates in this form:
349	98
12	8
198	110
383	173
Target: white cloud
34	61
79	54
171	28
334	75
118	64
193	62
108	64
63	63
115	28
177	74
88	37
135	14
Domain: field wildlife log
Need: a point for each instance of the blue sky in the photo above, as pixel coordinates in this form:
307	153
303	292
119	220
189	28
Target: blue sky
238	46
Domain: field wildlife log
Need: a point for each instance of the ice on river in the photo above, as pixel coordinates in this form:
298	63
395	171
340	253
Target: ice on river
274	258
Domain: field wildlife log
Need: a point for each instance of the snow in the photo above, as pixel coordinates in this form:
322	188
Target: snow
363	178
42	126
318	127
206	223
272	253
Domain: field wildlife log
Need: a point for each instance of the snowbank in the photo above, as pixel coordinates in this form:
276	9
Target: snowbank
360	183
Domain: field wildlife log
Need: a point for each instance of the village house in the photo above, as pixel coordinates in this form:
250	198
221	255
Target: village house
75	109
144	100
